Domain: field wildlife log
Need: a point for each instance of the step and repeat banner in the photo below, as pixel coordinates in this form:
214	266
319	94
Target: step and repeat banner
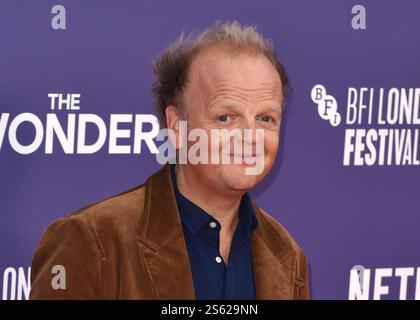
76	110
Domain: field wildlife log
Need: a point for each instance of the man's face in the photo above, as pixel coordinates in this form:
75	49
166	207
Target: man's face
228	91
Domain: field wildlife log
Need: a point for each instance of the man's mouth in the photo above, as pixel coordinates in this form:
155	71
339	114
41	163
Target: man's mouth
245	158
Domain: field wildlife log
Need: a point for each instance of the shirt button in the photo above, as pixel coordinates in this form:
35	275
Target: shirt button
212	224
218	260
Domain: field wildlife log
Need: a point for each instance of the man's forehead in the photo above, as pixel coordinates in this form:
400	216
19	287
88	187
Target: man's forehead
220	68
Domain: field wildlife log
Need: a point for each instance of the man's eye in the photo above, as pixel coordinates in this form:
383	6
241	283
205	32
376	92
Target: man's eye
266	119
223	118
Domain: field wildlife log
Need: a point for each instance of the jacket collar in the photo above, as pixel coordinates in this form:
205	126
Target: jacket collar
162	247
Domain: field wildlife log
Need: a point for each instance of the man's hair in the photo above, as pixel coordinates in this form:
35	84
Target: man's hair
173	66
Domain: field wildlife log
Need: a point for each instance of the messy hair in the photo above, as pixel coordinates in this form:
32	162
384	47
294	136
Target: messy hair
172	67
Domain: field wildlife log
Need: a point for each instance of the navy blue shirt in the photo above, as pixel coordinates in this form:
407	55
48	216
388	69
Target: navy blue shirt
211	277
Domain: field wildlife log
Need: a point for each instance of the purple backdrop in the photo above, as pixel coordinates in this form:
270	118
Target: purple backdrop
341	216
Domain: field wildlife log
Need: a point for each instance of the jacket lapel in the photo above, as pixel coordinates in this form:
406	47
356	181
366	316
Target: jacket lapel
161	241
272	272
272	278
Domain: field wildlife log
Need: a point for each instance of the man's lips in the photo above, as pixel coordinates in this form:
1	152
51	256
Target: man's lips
251	155
246	158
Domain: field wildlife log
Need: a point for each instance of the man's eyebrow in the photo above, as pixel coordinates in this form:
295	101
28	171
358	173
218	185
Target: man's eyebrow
225	104
273	108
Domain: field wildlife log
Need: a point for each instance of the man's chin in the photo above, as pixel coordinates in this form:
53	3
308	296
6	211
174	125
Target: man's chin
238	180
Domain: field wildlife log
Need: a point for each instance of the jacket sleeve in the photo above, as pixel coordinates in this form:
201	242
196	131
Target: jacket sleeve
67	262
302	282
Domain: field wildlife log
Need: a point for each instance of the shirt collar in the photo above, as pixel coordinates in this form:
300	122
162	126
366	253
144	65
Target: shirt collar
195	218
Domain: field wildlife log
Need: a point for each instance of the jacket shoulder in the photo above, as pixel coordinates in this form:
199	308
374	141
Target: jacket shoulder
87	243
109	224
121	212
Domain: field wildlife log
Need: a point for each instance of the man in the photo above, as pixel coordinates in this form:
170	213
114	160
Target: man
191	231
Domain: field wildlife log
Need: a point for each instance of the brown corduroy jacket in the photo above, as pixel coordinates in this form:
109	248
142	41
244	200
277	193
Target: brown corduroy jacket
131	246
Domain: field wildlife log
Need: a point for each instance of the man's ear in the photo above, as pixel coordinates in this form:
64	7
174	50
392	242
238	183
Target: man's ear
173	117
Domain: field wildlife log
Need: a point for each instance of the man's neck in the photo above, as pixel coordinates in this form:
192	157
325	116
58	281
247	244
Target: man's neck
221	205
